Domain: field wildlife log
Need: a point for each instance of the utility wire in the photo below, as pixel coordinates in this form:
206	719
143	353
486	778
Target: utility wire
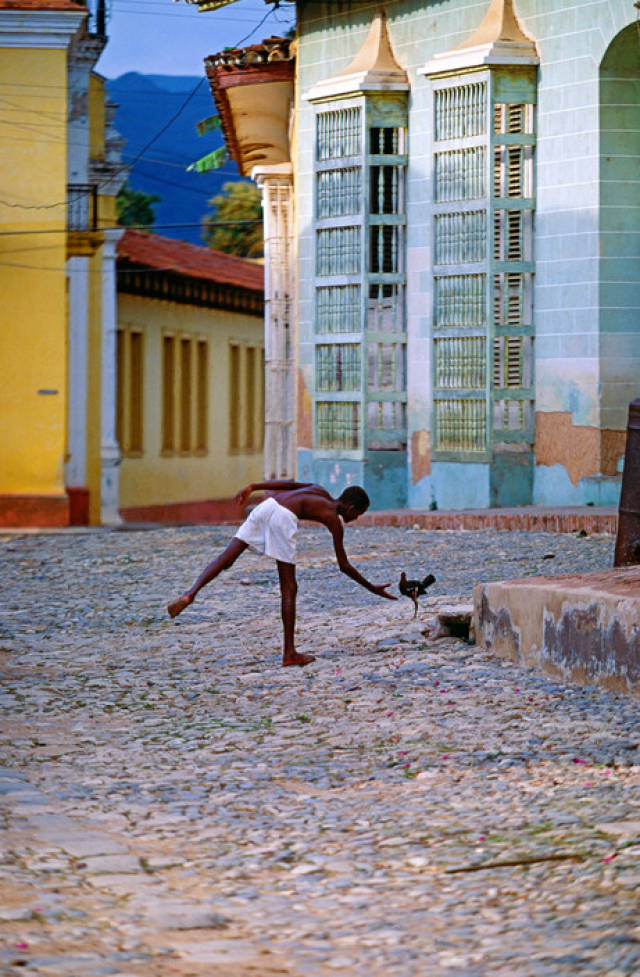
268	14
129	165
137	227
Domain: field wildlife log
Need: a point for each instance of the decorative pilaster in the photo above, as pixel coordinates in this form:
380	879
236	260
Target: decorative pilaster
78	274
276	183
109	448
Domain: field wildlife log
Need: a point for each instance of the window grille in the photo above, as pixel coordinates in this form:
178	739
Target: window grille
386	248
384	197
387	415
460	425
512	362
338	251
337	425
386	367
514	119
385	141
510	300
460	363
338	134
474	312
461	238
460	300
360	166
512	230
512	416
460	111
338	367
512	171
386	308
338	309
339	192
460	174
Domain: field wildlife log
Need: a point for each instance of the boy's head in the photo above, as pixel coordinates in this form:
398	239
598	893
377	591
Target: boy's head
353	502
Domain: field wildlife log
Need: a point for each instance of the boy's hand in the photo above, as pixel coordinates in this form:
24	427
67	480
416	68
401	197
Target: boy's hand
381	591
242	496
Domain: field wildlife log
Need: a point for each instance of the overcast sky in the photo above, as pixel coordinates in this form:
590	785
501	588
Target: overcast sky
162	37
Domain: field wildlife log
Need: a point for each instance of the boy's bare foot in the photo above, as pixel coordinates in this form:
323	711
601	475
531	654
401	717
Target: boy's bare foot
297	659
179	604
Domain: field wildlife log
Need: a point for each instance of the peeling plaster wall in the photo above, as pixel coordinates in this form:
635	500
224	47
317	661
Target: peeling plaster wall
584	629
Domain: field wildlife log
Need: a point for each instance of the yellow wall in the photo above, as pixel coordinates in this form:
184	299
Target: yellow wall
96	117
33	310
154	478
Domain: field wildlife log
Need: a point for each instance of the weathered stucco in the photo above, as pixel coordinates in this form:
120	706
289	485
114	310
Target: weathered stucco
581	450
420	455
585	628
304	414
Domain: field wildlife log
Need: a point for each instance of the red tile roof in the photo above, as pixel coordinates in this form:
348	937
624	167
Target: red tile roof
41	5
153	251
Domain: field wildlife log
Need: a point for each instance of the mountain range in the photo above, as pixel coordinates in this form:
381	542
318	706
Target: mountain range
157	115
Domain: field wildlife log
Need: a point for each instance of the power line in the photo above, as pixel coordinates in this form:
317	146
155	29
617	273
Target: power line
136	227
268	14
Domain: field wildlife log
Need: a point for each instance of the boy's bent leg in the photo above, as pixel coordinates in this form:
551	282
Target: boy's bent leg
288	592
226	559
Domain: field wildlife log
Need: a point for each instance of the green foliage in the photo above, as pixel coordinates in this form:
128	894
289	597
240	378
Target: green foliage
212	161
238	204
210	124
135	208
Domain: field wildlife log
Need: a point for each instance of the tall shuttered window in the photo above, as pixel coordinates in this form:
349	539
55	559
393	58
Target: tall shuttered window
483	263
185	395
246	398
129	409
202	395
186	391
168	394
359	315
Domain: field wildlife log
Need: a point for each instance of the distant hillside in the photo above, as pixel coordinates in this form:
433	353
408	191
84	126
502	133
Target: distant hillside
146	104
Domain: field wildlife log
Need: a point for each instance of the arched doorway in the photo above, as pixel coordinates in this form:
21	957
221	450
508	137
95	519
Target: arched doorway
619	279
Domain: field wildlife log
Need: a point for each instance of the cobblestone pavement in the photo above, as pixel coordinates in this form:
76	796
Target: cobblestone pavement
175	803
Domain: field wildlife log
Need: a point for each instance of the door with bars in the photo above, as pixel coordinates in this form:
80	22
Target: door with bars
482	338
359	320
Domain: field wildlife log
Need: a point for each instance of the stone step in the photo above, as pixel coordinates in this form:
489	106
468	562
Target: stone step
583	628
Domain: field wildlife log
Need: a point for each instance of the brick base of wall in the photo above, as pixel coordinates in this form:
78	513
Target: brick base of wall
185	513
551	520
34	511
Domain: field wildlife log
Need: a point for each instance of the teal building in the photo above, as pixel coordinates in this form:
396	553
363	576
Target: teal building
464	239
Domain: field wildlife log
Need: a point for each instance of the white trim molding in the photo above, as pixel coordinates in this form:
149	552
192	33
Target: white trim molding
39	29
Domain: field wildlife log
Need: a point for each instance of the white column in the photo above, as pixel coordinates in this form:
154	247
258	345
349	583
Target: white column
76	467
276	183
109	448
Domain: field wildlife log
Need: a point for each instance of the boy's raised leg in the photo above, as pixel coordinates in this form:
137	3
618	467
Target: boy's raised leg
226	559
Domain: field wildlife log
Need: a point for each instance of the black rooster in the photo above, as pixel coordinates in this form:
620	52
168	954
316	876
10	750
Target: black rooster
415	588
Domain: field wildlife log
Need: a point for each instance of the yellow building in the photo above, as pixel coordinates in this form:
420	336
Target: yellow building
190	364
59	173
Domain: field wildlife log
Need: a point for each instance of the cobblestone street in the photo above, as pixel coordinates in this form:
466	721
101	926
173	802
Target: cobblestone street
175	803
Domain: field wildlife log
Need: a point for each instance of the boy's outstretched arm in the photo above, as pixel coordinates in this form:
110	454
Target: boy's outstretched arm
343	562
274	485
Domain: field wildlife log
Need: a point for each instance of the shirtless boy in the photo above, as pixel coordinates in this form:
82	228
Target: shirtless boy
271	530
